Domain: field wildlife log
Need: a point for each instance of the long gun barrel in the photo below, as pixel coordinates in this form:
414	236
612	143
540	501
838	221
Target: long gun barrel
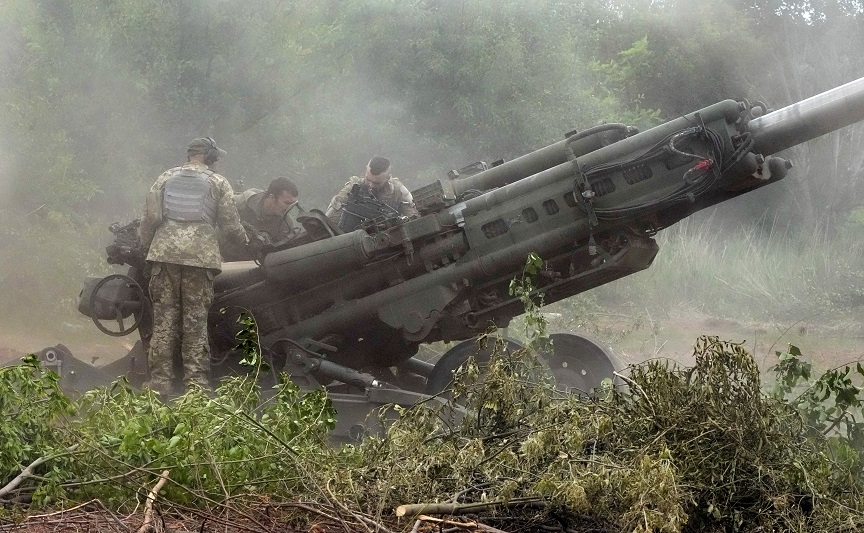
808	119
577	142
772	133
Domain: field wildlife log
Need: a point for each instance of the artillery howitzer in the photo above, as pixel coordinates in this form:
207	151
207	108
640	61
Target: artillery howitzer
348	307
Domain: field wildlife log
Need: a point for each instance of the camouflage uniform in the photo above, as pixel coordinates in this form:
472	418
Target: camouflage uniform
392	192
185	258
275	228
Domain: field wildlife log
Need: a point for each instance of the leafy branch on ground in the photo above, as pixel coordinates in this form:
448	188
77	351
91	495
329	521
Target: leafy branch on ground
704	448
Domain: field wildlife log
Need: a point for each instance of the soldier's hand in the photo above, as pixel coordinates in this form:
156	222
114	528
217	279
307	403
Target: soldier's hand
256	248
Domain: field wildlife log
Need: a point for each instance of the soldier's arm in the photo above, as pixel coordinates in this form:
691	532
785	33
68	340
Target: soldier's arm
152	213
228	218
407	207
339	200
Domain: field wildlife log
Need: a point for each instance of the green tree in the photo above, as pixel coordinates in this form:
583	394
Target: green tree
678	56
497	78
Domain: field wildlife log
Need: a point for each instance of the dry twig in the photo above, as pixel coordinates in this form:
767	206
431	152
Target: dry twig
148	526
463	508
41	517
366	522
472	526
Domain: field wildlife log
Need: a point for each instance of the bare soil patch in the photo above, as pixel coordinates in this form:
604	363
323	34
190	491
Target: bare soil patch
94	517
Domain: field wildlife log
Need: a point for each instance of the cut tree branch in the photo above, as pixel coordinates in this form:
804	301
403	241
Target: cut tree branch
414	509
474	526
147	526
28	471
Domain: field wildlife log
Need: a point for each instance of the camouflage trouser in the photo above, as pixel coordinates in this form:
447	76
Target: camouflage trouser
181	298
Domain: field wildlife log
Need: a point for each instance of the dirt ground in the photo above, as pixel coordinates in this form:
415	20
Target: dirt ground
94	516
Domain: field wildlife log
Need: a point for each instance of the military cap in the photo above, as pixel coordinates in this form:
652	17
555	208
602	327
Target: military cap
204	145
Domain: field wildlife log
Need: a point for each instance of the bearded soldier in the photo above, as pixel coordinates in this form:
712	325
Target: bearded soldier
183	210
378	181
264	214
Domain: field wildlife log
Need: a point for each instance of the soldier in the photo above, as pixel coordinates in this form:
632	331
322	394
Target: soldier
381	185
265	214
178	230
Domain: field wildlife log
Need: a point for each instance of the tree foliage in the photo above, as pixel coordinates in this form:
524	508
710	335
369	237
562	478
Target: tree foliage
101	96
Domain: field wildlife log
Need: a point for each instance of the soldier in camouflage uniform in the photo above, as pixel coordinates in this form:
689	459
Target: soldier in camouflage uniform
381	185
265	214
178	230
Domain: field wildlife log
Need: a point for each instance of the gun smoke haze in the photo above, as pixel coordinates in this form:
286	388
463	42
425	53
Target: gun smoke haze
367	128
5	174
97	102
9	52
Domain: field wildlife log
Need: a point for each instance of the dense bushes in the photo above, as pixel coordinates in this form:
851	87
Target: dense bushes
667	449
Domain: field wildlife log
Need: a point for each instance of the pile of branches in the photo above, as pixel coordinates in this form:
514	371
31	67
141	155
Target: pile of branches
667	449
663	449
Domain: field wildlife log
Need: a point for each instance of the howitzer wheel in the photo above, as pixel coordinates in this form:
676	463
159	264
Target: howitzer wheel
442	374
141	299
578	363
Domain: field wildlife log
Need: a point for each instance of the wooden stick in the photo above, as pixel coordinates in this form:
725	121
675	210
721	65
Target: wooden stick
147	526
27	472
308	508
463	508
462	525
55	513
123	527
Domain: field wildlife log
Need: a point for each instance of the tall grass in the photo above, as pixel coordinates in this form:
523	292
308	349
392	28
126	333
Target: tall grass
763	274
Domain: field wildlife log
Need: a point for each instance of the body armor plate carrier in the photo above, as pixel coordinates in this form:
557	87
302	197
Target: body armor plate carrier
187	197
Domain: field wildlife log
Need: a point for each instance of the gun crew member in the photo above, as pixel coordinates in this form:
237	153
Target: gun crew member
264	214
183	210
381	185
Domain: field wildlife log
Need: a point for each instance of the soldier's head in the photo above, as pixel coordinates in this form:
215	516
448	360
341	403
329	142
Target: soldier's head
204	150
377	171
280	196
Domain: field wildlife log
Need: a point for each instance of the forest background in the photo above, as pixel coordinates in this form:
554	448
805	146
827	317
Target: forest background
99	97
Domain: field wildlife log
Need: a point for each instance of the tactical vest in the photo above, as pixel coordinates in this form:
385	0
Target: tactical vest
386	195
187	197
